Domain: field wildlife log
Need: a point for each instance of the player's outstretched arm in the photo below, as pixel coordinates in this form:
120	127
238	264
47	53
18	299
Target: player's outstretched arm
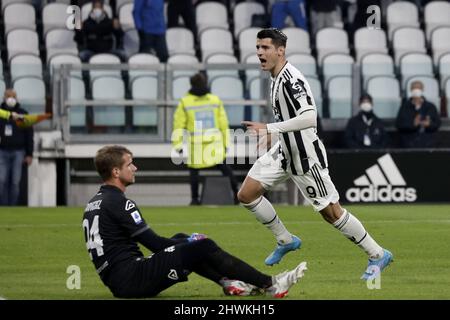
304	120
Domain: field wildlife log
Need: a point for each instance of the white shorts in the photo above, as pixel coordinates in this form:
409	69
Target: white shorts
316	185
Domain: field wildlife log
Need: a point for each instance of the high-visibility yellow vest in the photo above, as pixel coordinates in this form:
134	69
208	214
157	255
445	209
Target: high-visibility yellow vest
4	114
204	120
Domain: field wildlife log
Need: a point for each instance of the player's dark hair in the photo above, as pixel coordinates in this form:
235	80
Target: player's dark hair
108	158
277	36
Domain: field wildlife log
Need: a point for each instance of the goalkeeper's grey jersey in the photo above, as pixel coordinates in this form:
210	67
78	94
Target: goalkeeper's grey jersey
291	96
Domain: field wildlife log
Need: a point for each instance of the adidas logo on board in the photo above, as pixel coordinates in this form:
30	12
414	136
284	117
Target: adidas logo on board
382	182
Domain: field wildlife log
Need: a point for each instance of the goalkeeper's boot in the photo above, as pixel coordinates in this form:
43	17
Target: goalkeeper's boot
282	282
282	249
375	267
239	288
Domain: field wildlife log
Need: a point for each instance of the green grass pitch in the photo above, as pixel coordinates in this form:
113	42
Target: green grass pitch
38	244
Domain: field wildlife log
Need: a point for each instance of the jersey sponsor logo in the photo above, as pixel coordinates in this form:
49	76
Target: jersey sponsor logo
170	249
94	205
129	205
297	89
173	274
382	182
136	217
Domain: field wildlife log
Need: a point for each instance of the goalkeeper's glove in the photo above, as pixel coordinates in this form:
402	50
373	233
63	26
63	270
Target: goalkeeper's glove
196	236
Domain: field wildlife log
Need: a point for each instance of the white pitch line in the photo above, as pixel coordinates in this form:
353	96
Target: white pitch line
231	223
2	298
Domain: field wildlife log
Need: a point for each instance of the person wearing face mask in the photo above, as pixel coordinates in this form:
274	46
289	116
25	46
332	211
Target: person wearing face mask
99	34
417	120
16	148
365	130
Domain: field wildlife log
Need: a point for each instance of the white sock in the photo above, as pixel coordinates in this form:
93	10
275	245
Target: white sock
265	213
352	228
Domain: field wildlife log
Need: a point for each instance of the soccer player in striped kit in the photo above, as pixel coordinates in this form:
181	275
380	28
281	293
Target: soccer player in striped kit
300	155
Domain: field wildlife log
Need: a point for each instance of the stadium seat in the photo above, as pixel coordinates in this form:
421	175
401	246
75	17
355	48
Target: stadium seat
253	72
145	87
125	14
54	16
2	85
108	88
87	8
104	58
58	41
31	91
247	43
430	88
447	89
301	42
221	58
376	64
304	62
385	92
180	40
242	16
5	3
337	64
142	59
211	14
182	59
22	41
77	91
230	88
19	15
316	89
407	40
120	3
412	64
180	86
369	41
130	42
25	65
216	40
444	68
255	93
331	40
57	60
401	14
440	43
436	14
340	97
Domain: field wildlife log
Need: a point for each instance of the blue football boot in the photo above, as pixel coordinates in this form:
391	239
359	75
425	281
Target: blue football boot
281	250
375	267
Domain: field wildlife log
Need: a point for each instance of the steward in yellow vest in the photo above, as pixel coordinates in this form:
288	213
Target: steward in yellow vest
201	117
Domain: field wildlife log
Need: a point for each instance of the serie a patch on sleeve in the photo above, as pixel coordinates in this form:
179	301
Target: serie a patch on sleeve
136	216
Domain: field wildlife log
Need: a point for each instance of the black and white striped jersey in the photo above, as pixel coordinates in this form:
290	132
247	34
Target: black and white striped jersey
290	97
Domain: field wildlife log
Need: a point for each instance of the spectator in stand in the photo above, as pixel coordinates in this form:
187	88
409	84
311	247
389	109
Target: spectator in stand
294	8
417	120
324	14
16	148
365	130
99	34
185	9
149	21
